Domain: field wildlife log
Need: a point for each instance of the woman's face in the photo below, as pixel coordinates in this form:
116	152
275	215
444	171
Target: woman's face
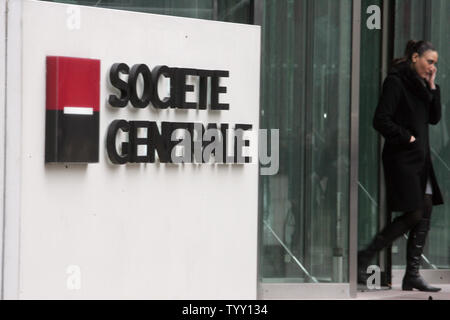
425	64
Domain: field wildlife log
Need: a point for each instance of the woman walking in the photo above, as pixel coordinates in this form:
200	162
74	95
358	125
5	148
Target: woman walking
409	102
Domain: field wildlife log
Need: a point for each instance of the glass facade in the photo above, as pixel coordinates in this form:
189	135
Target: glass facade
306	94
224	10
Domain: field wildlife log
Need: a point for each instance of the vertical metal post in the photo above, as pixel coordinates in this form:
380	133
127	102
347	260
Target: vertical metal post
3	22
258	11
308	102
215	9
354	148
387	52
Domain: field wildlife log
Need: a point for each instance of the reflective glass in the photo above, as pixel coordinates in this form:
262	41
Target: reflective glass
306	74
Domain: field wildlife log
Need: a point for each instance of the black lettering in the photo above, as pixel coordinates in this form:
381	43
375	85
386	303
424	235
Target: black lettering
118	83
148	85
186	88
135	142
176	77
156	100
114	156
158	143
216	90
237	152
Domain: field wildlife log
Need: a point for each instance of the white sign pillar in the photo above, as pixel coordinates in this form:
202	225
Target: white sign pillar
138	230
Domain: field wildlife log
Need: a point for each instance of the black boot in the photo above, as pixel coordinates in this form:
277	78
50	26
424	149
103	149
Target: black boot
416	242
382	240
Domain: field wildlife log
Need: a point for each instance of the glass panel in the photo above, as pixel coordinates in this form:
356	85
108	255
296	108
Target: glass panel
240	11
368	138
235	11
412	23
185	8
306	94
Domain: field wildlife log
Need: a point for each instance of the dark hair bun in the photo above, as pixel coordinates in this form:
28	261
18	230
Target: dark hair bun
411	48
420	47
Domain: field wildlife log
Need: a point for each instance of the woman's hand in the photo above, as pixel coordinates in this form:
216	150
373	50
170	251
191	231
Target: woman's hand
431	77
412	139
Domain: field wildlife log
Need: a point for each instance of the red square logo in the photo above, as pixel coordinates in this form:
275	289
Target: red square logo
72	109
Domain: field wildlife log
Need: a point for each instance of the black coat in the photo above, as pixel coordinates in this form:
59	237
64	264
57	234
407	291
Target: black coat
407	106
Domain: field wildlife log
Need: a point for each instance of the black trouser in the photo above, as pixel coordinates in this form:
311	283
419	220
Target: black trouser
412	218
407	221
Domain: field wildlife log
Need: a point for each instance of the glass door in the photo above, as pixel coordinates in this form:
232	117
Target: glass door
305	93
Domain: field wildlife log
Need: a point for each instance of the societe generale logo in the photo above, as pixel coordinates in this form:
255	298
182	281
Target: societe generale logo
72	110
